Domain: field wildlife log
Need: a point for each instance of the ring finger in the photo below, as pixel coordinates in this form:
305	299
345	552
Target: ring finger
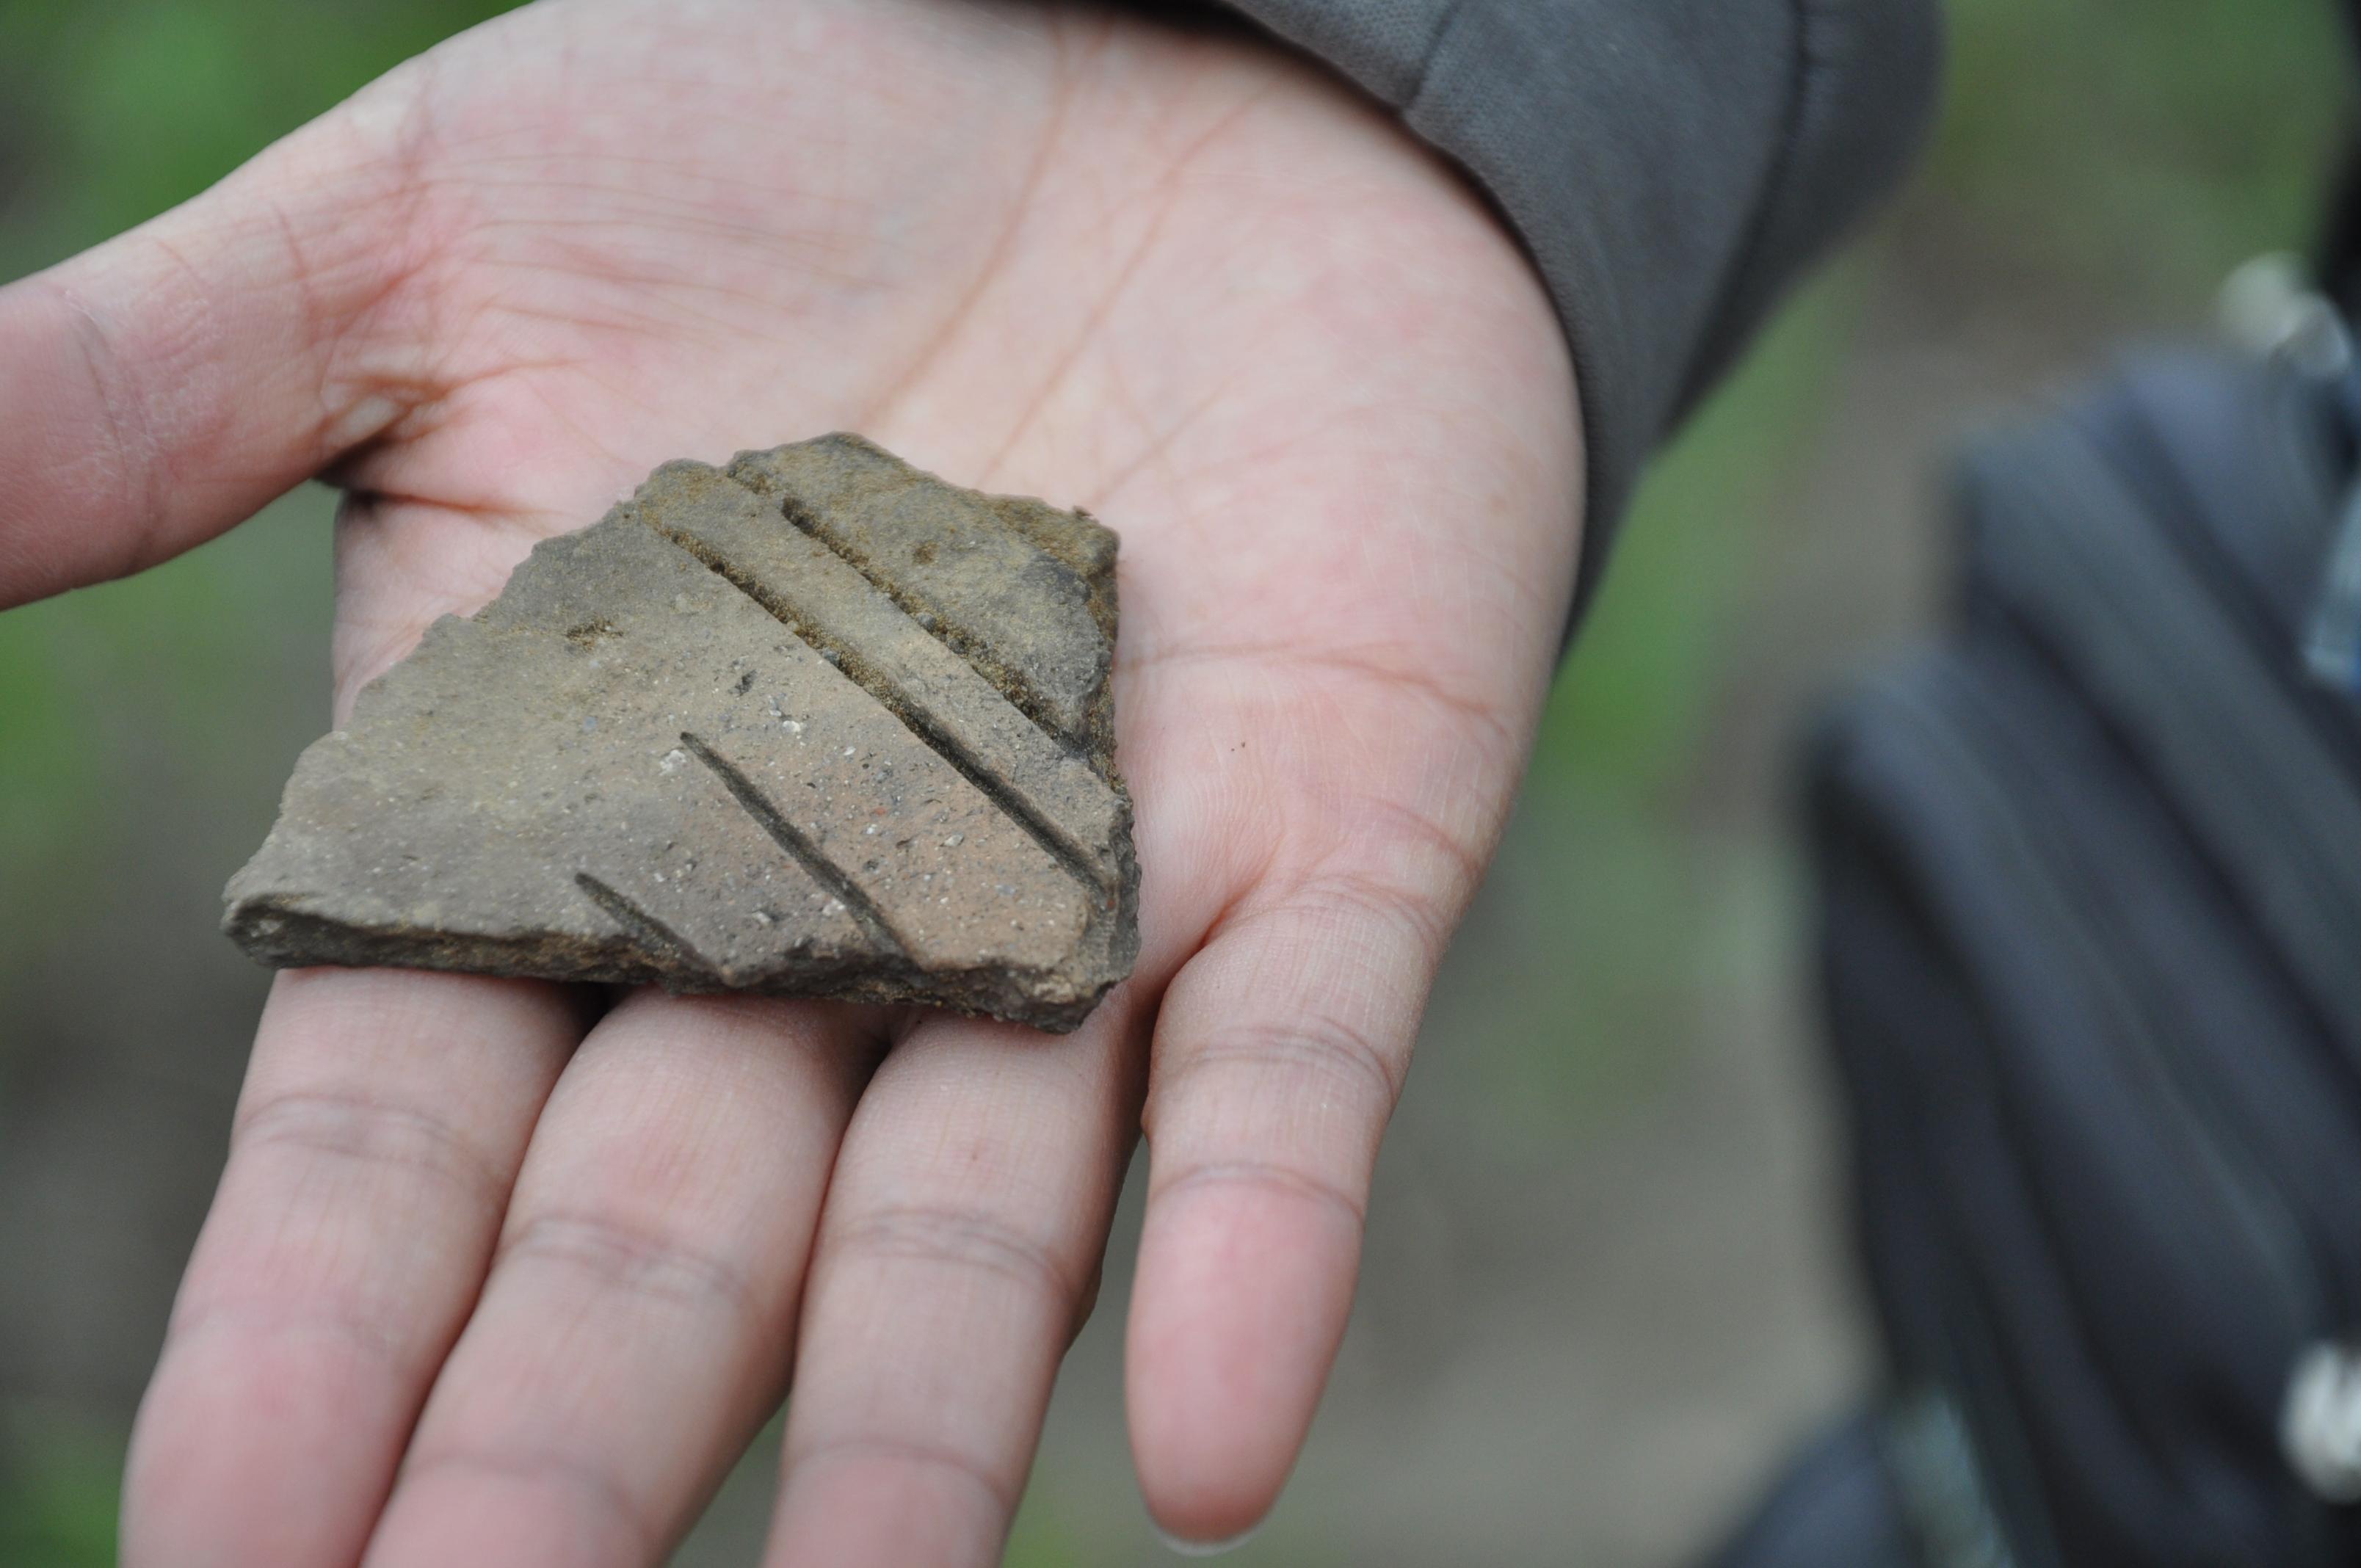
958	1256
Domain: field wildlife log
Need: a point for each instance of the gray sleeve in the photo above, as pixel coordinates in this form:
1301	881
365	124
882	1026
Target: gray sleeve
1670	165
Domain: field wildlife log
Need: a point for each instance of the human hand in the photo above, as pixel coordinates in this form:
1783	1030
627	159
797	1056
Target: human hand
478	1287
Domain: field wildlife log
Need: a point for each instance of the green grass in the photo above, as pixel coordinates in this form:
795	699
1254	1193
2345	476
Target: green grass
1626	716
199	668
2145	147
136	104
60	1481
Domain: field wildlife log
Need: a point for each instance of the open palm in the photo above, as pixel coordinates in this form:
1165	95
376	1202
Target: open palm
487	1281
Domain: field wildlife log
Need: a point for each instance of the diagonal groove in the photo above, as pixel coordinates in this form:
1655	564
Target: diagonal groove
796	843
930	618
1054	840
650	932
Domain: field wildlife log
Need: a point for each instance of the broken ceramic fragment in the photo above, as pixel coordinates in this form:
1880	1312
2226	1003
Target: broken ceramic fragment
815	724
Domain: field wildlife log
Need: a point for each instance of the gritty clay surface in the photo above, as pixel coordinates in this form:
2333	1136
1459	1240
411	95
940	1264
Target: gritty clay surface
815	724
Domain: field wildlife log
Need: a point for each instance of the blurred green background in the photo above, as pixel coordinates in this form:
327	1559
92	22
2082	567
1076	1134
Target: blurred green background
1605	1275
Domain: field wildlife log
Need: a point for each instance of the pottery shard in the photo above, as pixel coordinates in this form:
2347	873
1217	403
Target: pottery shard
815	724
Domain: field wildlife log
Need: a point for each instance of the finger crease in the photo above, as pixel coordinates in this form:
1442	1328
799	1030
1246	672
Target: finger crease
635	1262
276	1324
961	1240
1466	865
582	1477
1264	1174
130	438
913	1451
1359	903
353	1127
1326	1046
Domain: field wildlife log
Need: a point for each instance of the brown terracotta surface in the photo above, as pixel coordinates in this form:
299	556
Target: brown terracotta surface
817	724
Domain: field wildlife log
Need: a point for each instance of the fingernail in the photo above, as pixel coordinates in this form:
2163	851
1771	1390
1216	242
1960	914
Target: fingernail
1205	1548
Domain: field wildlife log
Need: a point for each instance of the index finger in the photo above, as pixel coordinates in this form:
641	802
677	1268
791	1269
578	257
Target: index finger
383	1120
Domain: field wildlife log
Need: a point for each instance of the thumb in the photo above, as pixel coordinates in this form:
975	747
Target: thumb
165	386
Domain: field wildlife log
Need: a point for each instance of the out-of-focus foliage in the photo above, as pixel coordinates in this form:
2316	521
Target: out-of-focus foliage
1625	716
58	1490
2123	155
2149	145
117	109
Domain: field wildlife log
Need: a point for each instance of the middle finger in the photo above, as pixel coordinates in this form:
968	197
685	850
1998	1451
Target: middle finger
637	1325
